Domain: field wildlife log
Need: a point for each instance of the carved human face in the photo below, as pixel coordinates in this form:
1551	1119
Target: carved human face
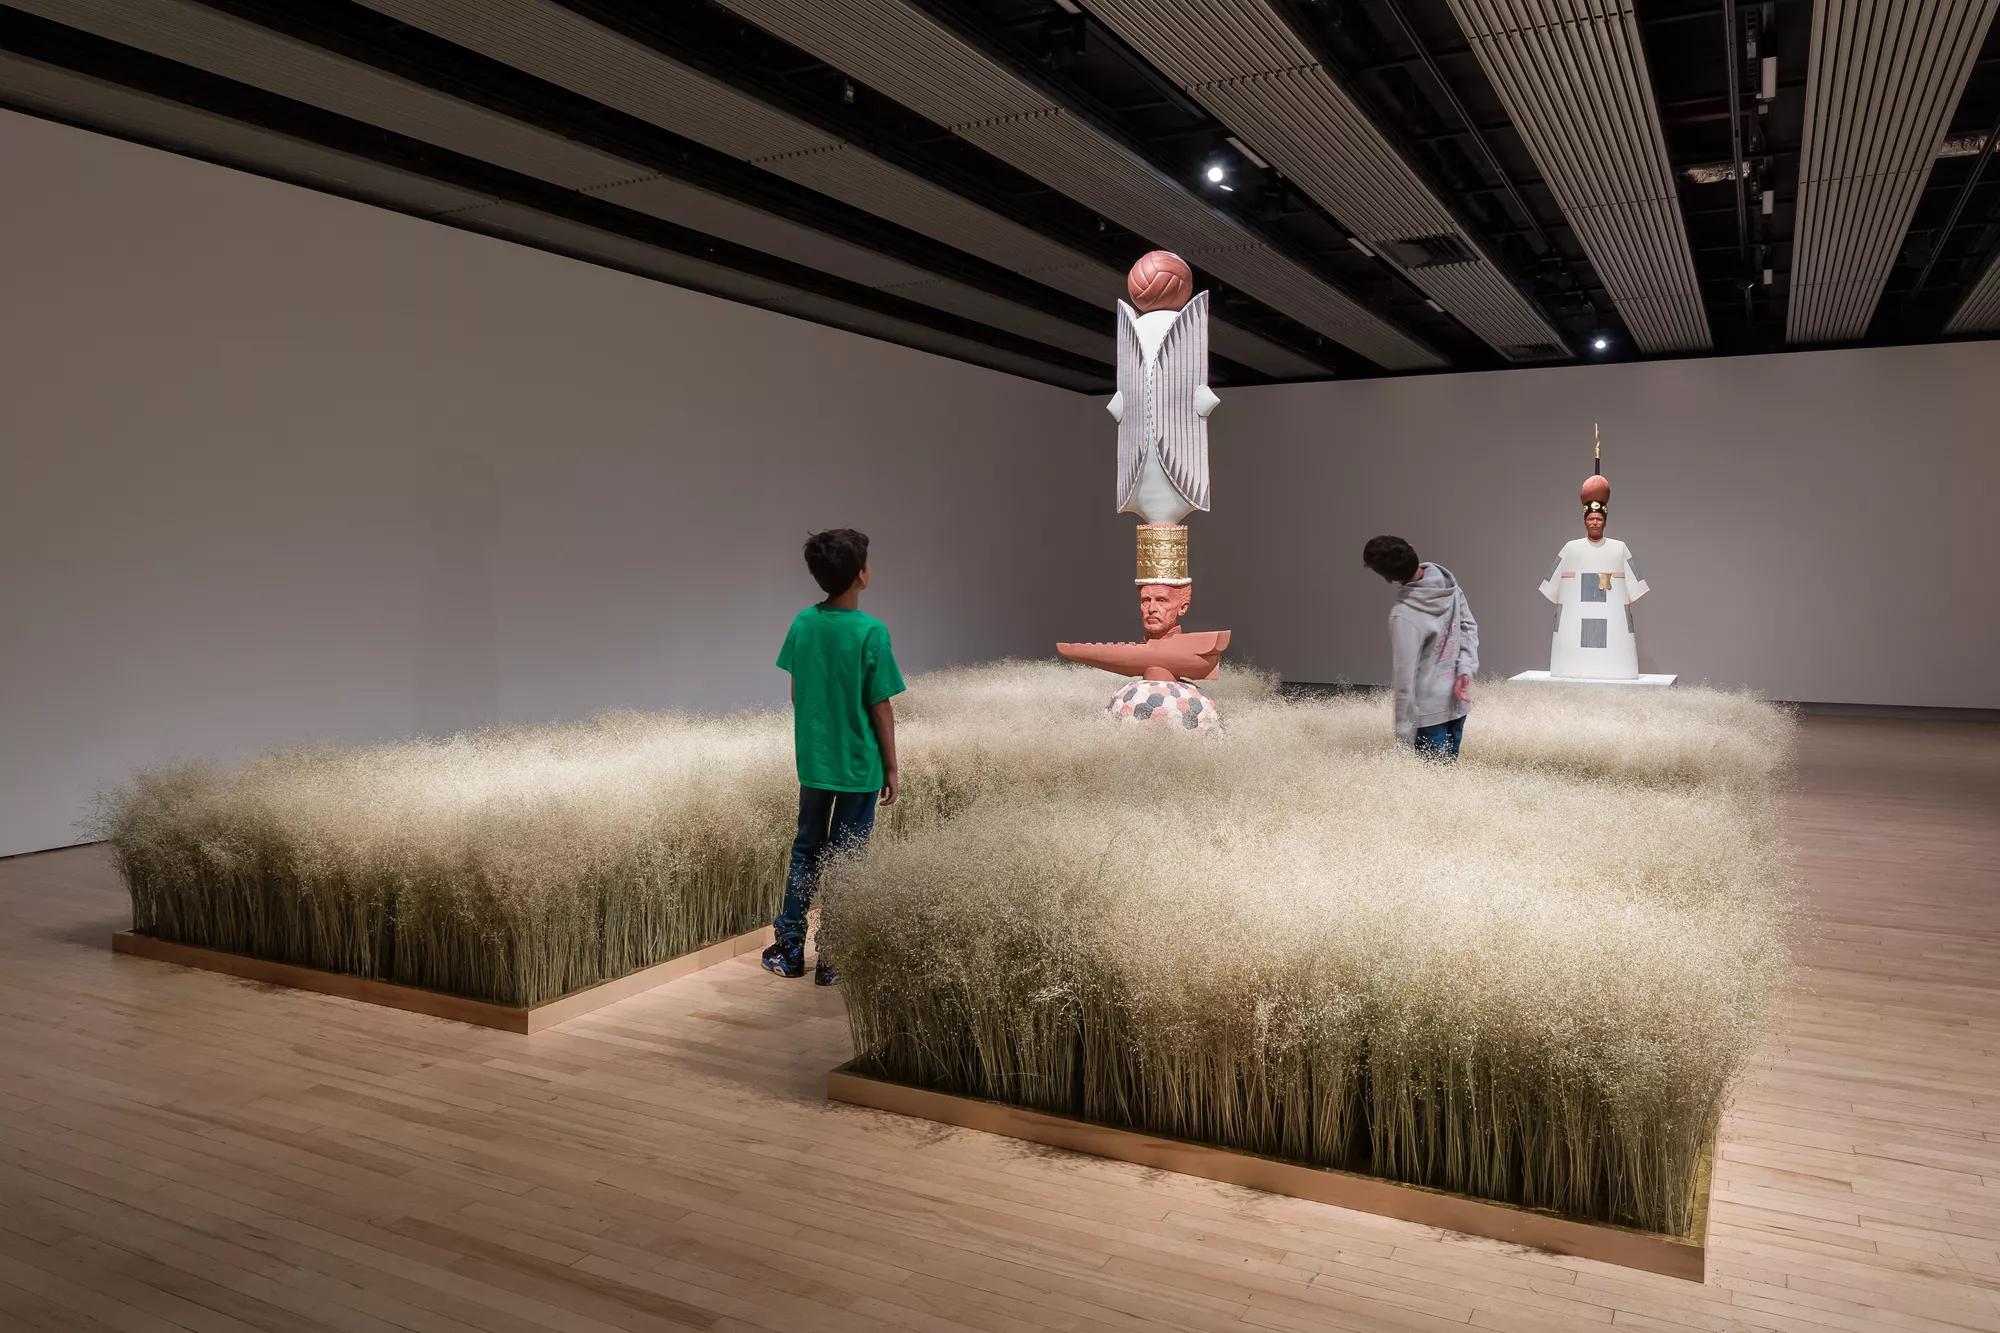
1593	524
1161	606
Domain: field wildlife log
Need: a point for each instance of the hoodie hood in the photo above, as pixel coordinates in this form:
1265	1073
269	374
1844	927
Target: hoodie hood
1433	595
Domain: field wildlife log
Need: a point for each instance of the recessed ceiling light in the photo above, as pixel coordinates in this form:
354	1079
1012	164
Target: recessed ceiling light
1600	343
1216	173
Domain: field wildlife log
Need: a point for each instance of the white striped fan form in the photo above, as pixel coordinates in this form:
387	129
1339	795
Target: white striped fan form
1135	421
1159	405
1572	75
1884	78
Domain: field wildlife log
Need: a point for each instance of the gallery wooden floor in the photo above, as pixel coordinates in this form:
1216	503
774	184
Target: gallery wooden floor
179	1150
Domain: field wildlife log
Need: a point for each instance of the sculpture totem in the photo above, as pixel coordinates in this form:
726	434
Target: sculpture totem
1595	581
1162	408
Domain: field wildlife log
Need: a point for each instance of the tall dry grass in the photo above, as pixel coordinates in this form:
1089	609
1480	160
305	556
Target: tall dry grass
510	866
1533	977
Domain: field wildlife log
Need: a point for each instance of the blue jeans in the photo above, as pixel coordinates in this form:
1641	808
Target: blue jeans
1441	741
829	821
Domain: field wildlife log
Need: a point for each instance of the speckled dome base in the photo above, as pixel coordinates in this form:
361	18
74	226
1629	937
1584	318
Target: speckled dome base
1168	703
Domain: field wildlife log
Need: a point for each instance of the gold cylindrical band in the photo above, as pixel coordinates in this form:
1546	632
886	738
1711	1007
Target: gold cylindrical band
1163	554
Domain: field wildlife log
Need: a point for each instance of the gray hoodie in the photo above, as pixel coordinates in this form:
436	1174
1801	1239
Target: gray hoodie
1435	640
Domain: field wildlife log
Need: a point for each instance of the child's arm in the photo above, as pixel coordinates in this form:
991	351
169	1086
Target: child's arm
883	715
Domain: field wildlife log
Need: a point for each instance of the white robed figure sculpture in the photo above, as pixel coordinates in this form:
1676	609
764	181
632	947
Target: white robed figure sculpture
1595	581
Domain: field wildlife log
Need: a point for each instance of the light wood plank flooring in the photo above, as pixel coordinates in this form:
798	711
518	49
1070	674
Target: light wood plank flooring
180	1150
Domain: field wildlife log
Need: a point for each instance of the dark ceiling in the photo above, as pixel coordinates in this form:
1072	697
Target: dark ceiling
1471	184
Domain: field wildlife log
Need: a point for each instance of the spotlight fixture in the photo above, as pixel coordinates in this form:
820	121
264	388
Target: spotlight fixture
847	91
1215	173
1600	343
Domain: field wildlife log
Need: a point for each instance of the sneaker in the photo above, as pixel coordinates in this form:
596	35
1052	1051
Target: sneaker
785	962
824	975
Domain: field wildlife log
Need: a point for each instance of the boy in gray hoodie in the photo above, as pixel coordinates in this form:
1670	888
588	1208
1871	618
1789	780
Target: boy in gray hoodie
1435	646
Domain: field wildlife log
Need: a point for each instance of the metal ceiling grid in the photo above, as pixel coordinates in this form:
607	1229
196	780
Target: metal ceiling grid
1242	61
1572	76
556	44
520	223
704	210
825	310
1084	163
1282	283
889	46
983	306
859	178
1239	344
986	104
564	48
208	39
251	54
1980	311
1884	79
64	94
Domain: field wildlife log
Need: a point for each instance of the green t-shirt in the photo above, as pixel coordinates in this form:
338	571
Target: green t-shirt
841	667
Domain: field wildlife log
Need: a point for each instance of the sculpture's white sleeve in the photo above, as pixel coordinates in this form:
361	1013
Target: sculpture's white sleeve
1552	585
1635	587
1205	401
1116	407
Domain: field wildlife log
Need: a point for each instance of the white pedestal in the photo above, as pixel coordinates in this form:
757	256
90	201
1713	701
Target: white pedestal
1544	678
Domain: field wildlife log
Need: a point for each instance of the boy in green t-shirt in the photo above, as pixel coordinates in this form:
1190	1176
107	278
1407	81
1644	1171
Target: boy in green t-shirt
843	731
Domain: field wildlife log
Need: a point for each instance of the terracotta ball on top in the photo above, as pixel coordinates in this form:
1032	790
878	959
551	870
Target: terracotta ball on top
1596	490
1161	280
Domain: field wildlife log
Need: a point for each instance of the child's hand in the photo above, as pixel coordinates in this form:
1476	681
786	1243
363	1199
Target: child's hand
1464	689
892	786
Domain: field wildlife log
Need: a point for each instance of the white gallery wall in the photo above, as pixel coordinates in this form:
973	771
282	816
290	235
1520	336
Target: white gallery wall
281	468
1817	526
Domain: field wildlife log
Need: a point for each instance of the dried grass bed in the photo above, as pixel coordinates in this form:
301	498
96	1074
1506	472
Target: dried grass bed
1531	978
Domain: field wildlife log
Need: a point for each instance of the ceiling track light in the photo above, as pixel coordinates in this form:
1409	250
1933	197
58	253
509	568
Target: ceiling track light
847	91
1600	343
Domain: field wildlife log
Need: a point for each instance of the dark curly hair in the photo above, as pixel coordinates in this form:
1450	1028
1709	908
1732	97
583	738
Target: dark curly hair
836	558
1391	557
